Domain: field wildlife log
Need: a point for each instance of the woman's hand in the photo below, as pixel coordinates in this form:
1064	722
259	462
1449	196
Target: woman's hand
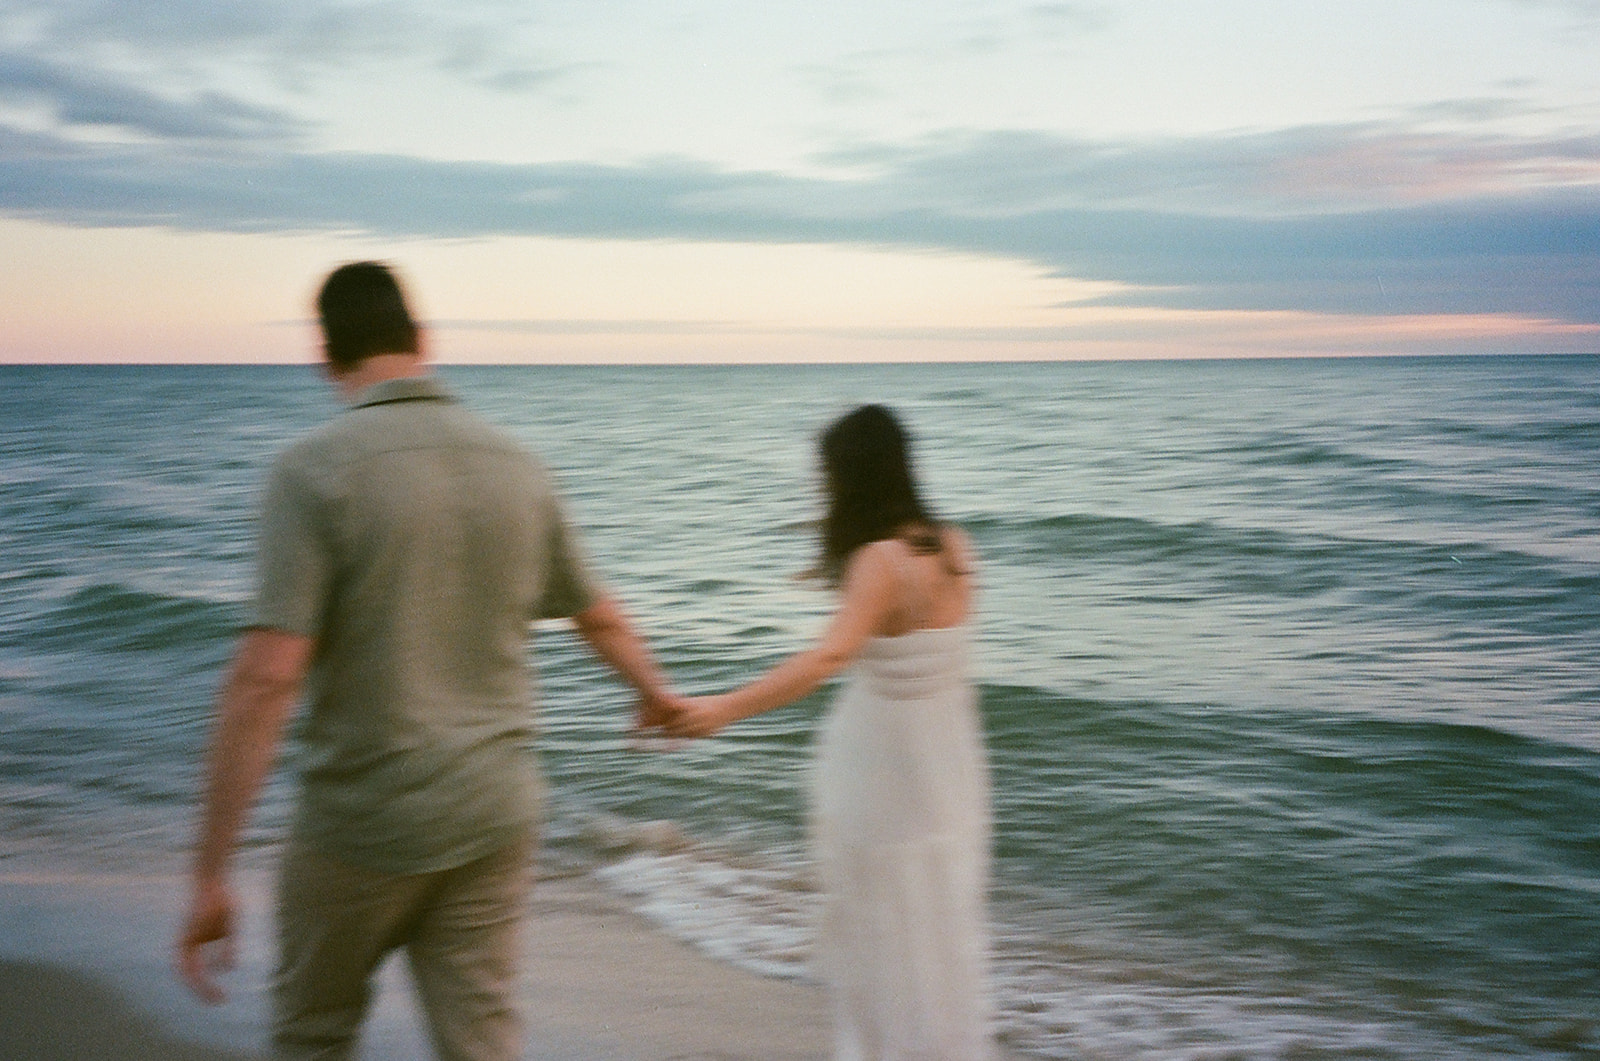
698	716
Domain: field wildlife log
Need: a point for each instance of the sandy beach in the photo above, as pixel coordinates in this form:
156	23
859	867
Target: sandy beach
84	976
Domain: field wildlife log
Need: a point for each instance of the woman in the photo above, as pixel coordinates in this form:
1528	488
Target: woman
900	800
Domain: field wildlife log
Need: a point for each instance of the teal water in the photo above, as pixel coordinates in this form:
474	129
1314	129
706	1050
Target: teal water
1289	668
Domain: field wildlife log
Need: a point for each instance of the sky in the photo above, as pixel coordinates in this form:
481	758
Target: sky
721	180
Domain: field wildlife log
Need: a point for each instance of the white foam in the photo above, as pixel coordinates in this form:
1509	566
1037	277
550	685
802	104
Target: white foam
754	916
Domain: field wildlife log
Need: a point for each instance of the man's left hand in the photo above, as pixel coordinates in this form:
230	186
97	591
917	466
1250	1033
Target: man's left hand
207	944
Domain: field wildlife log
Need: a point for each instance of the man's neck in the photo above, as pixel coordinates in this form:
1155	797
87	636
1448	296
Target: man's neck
377	369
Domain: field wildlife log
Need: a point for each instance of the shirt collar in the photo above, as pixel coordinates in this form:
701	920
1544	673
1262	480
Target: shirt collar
406	389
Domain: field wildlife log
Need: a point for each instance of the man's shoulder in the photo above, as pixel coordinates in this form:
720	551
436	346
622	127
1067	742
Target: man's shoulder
321	449
307	450
473	428
327	456
461	428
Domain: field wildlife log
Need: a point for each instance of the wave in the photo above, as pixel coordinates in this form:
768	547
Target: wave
1558	431
1289	450
1344	838
1209	560
1133	540
119	617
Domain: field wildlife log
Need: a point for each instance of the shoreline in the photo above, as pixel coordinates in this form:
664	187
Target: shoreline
84	975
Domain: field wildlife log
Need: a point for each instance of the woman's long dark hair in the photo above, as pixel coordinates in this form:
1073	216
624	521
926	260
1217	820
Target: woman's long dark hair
872	494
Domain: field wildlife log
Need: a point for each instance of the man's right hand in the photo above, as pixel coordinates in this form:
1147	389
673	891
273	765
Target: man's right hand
207	943
699	716
656	712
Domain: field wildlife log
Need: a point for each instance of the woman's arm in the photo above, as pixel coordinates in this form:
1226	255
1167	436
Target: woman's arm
866	600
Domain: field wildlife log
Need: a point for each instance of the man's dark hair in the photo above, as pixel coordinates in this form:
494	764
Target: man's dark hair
363	312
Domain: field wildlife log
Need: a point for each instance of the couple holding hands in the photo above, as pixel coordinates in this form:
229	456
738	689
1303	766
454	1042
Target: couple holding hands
404	549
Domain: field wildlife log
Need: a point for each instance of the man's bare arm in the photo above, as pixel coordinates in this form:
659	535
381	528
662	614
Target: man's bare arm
256	701
605	626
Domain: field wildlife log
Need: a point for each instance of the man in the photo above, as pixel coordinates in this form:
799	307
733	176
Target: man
404	549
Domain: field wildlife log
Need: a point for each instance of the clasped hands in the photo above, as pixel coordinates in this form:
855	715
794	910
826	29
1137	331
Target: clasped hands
669	714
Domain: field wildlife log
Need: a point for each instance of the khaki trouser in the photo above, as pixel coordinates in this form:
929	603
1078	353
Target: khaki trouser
459	927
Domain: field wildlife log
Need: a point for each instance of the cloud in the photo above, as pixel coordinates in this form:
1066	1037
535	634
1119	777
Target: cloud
1285	172
1360	219
1074	18
88	101
1585	13
480	41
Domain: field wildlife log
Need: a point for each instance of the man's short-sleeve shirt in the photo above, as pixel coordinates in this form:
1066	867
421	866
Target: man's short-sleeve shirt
414	544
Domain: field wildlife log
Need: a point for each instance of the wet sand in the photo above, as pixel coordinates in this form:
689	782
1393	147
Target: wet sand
84	976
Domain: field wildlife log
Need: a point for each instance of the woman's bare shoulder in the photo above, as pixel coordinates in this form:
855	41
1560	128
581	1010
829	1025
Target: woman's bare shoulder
882	557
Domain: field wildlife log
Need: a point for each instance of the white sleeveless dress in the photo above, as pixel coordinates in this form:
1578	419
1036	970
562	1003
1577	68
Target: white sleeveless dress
900	823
